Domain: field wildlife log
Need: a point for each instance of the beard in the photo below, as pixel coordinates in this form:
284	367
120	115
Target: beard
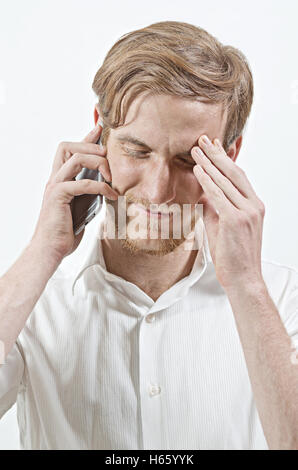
146	235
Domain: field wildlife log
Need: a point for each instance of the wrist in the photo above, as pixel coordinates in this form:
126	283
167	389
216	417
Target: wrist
44	256
247	288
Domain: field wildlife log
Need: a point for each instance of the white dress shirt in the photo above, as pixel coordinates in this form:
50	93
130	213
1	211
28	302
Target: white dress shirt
100	365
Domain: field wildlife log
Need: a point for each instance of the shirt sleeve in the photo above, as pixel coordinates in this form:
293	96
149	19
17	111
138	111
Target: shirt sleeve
11	373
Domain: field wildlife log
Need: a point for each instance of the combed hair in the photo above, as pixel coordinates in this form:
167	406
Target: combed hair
178	59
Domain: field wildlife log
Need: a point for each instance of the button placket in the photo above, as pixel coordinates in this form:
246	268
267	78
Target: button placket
150	390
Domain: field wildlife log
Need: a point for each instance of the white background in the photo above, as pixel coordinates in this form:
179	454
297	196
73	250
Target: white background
50	51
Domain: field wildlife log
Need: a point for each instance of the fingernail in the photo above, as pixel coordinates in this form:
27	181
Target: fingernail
205	139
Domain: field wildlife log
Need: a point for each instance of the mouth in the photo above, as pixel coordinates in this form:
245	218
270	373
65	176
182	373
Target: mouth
154	214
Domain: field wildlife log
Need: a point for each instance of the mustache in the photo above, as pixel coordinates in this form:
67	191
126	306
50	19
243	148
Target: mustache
131	199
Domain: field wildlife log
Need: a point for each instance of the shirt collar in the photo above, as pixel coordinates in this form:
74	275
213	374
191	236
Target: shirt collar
94	258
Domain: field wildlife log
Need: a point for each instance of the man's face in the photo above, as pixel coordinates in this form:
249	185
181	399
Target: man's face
159	168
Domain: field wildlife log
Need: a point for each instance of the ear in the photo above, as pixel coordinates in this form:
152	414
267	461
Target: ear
97	114
234	148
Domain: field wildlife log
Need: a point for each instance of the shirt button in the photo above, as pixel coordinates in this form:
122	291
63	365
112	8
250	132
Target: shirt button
150	318
154	390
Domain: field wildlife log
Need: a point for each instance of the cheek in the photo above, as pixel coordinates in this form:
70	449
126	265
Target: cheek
124	172
189	185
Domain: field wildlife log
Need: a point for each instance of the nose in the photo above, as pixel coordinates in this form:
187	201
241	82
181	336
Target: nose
158	184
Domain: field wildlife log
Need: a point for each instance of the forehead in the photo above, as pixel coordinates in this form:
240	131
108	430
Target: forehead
165	118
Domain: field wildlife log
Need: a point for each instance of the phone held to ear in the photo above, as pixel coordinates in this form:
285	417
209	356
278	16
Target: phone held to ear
85	207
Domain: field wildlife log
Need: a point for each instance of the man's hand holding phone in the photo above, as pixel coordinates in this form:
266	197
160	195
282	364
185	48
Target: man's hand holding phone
54	230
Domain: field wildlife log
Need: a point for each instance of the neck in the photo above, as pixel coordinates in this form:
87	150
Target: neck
153	274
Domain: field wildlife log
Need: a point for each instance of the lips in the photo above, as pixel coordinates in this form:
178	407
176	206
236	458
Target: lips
154	214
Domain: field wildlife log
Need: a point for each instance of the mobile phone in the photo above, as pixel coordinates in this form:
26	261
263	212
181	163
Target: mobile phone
85	207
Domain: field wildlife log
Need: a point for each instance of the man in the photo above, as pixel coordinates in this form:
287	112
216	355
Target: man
153	342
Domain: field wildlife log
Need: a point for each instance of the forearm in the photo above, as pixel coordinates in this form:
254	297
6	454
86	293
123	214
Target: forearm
268	351
20	288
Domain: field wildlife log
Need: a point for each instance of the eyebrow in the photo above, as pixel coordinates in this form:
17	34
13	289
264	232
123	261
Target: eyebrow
132	140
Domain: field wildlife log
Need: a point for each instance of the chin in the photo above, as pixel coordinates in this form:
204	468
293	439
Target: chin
157	247
138	241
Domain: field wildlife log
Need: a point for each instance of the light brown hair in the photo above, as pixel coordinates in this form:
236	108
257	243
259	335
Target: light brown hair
179	59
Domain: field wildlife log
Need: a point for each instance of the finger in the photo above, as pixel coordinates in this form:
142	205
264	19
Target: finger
67	149
77	162
230	169
93	135
68	189
213	193
230	191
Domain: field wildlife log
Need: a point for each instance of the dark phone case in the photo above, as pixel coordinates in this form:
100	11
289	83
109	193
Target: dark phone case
86	206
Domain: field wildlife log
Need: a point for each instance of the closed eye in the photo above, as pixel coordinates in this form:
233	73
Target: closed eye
134	153
139	154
